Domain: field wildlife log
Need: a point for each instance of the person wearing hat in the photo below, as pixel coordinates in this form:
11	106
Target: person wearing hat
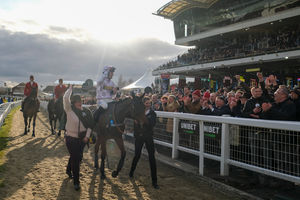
206	96
193	105
164	102
106	88
28	91
79	126
295	96
172	106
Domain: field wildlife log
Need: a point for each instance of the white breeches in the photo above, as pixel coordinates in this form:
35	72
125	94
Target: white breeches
104	103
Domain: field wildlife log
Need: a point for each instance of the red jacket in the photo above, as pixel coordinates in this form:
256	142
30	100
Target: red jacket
28	88
59	91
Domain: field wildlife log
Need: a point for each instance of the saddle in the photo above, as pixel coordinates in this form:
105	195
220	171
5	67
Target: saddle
108	113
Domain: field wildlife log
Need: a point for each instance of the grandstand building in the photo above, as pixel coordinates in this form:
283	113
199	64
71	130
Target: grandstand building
229	37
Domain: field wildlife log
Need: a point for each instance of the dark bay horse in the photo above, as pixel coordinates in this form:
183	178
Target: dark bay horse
55	112
31	107
116	113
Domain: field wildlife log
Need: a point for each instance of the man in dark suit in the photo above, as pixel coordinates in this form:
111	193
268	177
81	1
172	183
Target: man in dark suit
143	134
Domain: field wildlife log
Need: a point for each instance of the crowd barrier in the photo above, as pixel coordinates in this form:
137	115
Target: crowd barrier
264	146
5	109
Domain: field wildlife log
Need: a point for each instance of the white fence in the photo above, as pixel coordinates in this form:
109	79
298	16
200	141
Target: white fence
264	146
5	108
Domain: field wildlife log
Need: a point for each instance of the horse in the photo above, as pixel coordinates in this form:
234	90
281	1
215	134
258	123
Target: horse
55	112
31	107
111	126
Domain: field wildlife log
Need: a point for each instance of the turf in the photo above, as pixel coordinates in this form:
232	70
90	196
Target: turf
4	136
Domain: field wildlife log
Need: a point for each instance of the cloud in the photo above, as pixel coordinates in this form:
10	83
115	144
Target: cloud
22	54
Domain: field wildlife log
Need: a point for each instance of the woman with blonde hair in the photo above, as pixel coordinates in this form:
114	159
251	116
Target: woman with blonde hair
172	106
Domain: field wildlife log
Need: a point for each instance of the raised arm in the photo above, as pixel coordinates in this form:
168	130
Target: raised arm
67	100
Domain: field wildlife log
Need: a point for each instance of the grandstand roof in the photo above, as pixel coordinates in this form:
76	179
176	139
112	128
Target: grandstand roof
175	7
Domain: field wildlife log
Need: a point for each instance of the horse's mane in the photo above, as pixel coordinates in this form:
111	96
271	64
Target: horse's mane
123	100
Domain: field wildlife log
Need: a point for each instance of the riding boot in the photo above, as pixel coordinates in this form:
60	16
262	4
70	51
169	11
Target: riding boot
97	113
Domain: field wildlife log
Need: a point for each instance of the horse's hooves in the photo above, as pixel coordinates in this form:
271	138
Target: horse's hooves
114	174
103	176
33	135
96	166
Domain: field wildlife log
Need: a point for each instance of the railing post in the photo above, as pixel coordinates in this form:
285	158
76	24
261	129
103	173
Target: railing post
175	141
225	150
201	148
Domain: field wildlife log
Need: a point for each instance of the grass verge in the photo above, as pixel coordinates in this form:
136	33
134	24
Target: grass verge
4	135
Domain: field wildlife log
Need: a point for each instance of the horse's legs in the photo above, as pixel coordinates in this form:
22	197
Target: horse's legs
33	125
59	131
30	118
103	155
25	122
54	125
51	125
97	145
120	144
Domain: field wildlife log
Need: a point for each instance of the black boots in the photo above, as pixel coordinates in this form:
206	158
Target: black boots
131	174
154	185
69	174
76	187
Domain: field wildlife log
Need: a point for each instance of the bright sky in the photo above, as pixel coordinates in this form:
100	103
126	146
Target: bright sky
109	20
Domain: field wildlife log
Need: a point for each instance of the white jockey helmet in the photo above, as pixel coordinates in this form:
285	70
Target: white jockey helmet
108	69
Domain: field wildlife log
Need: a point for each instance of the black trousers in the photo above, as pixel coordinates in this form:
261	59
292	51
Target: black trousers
139	142
75	147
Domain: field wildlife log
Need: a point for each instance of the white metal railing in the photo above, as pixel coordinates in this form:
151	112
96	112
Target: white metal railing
5	109
264	146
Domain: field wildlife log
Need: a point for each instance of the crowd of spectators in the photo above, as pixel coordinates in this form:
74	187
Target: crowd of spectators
267	100
7	99
239	47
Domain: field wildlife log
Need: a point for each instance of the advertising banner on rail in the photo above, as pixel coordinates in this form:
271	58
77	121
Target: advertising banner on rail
192	127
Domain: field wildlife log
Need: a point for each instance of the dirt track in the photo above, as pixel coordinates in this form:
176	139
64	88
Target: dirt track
35	169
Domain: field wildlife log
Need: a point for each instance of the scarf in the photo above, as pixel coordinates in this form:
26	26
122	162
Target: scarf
85	116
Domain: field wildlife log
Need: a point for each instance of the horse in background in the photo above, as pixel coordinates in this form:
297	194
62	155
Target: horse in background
55	112
31	107
111	125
